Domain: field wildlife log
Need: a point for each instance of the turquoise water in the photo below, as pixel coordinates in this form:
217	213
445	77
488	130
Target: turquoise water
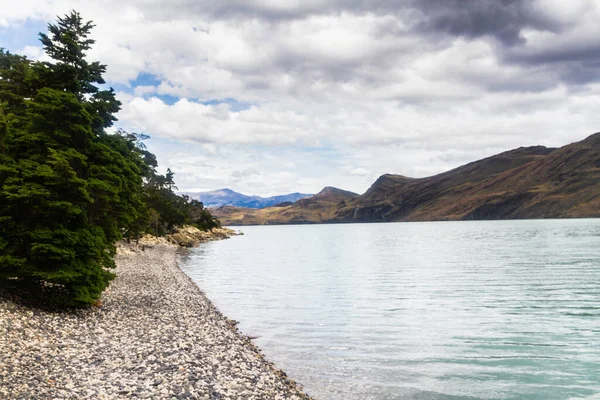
440	310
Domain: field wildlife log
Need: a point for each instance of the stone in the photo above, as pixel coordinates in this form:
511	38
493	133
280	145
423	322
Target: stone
155	336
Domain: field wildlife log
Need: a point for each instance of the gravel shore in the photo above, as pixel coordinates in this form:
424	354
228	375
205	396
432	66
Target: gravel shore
156	336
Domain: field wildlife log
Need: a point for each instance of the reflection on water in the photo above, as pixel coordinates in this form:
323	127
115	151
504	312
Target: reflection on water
502	310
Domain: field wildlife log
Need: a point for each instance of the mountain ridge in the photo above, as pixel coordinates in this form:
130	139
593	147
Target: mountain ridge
226	196
527	182
309	210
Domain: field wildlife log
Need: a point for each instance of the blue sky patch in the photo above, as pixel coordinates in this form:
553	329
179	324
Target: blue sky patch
234	105
15	37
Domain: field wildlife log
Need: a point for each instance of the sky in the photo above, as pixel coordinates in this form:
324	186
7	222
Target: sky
275	96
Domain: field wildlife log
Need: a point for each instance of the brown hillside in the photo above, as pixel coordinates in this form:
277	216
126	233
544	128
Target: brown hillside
315	209
532	182
528	182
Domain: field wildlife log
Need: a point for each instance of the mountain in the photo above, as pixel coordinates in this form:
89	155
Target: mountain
314	209
528	182
222	197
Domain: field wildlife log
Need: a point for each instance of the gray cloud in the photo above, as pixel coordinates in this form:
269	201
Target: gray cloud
412	87
238	175
400	30
577	52
435	23
571	66
500	19
573	56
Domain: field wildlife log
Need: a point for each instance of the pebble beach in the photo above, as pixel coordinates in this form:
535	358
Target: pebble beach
155	336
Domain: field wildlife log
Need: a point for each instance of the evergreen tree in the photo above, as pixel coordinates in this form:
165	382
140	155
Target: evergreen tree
201	218
169	181
173	209
17	81
49	240
69	190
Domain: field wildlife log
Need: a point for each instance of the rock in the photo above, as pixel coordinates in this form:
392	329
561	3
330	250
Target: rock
185	240
156	336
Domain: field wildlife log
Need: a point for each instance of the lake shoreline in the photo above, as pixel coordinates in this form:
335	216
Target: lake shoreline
155	335
505	309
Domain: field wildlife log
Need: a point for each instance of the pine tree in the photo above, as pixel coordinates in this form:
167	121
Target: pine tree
45	199
169	180
16	81
68	190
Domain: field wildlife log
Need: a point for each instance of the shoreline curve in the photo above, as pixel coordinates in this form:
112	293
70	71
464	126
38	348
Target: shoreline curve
156	335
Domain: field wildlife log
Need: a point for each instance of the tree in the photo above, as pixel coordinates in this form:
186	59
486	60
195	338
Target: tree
169	182
17	81
201	218
67	189
168	209
49	241
67	46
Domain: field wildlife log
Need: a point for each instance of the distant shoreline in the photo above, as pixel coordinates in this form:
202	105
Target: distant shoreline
155	335
231	226
525	183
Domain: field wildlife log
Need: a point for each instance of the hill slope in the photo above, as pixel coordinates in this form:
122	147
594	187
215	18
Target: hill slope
528	182
532	182
228	197
318	208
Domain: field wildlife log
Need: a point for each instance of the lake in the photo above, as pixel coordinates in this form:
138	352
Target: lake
429	310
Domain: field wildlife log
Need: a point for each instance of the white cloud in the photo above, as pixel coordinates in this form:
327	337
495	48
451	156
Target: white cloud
334	93
34	53
216	124
143	90
360	171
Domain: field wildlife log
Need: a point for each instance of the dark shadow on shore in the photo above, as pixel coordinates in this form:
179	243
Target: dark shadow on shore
34	296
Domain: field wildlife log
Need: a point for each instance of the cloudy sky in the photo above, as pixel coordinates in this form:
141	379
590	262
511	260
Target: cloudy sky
274	96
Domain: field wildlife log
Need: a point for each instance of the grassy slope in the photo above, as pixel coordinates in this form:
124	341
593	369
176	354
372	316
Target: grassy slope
533	182
529	182
315	209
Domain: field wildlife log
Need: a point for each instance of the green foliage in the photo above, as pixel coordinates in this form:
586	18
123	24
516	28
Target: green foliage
68	189
62	183
46	234
168	209
201	218
17	81
67	45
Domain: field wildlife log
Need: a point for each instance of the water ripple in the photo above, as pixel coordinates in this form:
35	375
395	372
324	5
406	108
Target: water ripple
453	310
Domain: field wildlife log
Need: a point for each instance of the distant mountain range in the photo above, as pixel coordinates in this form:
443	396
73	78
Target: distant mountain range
314	209
528	182
228	197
